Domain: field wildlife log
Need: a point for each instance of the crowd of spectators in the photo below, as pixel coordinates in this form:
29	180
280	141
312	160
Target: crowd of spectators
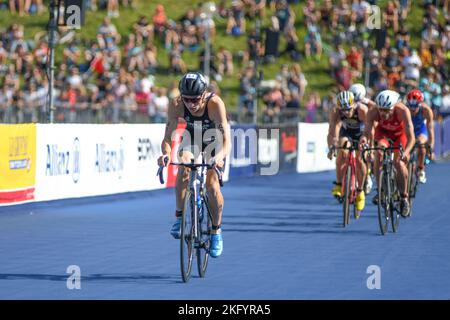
111	78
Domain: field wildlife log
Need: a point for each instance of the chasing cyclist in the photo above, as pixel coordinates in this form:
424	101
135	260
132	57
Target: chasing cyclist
422	118
346	125
359	92
395	125
201	111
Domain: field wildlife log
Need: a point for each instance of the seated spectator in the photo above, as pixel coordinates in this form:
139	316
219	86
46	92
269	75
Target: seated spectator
355	60
430	35
432	90
341	14
291	45
325	14
107	30
297	81
310	13
360	12
391	16
225	62
150	57
257	8
246	92
190	38
273	101
236	19
160	20
312	105
343	76
161	104
412	65
143	30
112	6
425	54
283	77
285	16
313	43
336	57
177	64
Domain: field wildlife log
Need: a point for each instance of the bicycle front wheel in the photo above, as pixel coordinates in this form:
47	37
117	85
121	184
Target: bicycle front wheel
383	202
187	237
395	204
347	194
204	227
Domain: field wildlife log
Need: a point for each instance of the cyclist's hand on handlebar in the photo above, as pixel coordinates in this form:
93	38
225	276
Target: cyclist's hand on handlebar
432	156
163	160
405	156
217	162
331	153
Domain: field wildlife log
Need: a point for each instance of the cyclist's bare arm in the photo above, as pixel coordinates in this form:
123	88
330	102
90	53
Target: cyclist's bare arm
218	114
362	113
173	114
333	128
428	115
371	118
405	116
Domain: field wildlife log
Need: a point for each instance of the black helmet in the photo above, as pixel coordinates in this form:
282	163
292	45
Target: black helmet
192	84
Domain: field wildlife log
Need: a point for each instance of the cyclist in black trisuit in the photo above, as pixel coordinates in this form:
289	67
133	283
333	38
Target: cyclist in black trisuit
206	131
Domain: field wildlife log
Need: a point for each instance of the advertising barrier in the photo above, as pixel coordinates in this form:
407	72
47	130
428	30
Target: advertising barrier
268	150
17	163
243	157
87	160
437	139
312	148
288	148
446	137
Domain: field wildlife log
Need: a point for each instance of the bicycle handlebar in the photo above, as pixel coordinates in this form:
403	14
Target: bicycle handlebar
365	150
191	166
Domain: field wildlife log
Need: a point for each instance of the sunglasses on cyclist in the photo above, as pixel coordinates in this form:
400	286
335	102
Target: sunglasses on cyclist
384	110
191	99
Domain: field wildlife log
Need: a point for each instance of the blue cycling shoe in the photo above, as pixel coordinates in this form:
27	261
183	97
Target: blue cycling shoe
216	245
176	229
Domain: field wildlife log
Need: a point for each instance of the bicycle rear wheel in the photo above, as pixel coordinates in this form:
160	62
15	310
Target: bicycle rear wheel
384	202
187	237
204	227
347	194
412	185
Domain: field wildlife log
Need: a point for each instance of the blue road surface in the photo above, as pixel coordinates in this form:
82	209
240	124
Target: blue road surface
283	239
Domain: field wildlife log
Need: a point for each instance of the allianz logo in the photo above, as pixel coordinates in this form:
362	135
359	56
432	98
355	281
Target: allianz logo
109	159
63	161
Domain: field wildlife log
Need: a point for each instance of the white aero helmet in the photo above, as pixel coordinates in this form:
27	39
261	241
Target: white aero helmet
387	99
359	91
345	100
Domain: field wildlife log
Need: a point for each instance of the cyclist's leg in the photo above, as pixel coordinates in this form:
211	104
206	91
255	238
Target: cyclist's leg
380	141
182	178
401	166
422	138
215	199
342	157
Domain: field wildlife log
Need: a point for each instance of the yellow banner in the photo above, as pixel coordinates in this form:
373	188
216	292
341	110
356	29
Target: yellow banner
17	156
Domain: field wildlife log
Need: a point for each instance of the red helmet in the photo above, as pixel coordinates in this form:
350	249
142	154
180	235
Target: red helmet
414	98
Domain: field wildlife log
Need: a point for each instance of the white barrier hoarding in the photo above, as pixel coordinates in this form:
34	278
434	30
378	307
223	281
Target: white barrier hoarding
313	148
79	160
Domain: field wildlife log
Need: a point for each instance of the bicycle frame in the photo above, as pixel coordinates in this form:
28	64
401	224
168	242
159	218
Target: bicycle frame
349	196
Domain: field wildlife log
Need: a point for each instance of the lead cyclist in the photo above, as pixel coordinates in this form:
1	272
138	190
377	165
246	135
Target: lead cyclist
201	112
